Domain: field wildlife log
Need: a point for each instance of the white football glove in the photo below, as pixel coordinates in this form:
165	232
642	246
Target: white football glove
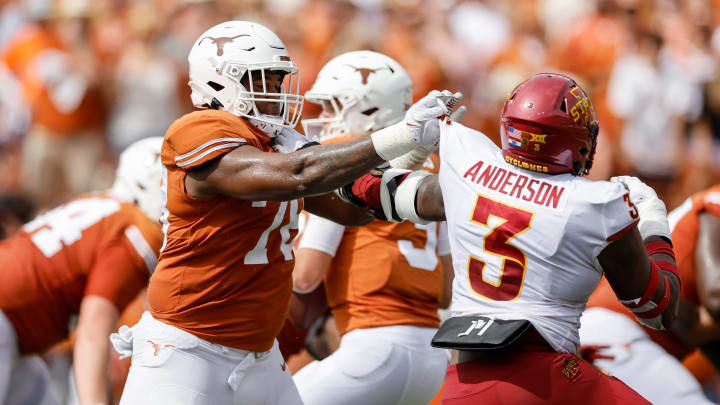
122	341
421	117
414	159
652	211
289	140
457	115
417	128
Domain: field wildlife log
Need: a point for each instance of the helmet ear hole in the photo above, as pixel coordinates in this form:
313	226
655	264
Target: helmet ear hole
215	104
583	151
563	106
215	86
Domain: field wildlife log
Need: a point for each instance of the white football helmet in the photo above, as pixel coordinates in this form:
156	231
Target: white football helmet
139	176
367	90
227	52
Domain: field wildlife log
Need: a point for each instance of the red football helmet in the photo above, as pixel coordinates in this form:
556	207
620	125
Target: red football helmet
548	124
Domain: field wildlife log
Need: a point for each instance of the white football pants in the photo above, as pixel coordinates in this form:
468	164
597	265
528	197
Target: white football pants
173	367
23	379
638	361
386	365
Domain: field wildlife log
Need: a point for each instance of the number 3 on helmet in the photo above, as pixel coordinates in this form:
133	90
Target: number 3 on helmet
548	124
223	63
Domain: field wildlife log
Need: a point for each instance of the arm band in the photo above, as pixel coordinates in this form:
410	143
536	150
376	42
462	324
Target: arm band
412	160
641	304
647	311
393	194
659	247
664	247
405	197
393	141
661	306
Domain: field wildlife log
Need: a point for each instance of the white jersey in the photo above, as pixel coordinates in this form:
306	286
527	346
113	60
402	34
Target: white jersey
524	244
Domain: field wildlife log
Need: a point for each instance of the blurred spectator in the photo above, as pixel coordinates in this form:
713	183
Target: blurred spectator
654	102
13	15
404	40
146	100
79	75
65	141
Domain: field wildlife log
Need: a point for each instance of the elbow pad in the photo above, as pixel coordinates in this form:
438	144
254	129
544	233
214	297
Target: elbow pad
398	188
403	200
390	193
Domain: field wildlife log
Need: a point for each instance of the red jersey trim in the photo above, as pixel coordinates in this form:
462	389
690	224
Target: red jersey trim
619	234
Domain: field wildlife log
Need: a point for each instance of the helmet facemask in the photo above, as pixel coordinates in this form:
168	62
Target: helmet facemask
344	116
255	98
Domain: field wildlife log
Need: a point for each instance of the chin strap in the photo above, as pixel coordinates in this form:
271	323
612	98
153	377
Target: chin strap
271	125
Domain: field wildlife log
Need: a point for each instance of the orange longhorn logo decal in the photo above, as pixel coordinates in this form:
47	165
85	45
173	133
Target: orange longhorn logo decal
365	72
220	42
157	347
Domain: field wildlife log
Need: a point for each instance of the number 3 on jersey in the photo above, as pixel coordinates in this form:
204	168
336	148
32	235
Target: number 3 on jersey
513	221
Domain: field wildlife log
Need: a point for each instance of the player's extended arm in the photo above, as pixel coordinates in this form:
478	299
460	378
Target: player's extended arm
330	206
251	174
640	265
96	321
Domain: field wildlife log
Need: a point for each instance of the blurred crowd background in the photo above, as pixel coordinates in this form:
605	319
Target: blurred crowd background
81	79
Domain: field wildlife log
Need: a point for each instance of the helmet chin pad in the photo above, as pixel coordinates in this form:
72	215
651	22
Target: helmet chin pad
271	125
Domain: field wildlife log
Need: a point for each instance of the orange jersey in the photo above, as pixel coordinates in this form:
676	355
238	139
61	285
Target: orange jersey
224	273
386	273
92	245
684	236
685	225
